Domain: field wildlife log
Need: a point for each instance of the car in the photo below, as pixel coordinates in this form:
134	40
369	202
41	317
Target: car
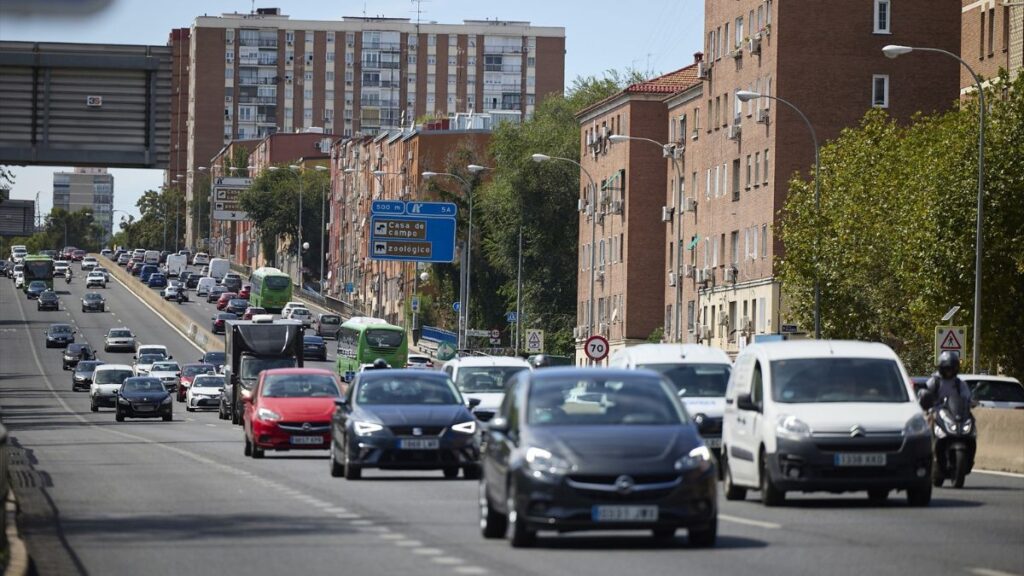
106	252
19	279
300	315
89	262
148	270
327	325
143	397
188	373
215	359
995	391
48	300
201	258
61	268
224	298
232	281
4	268
419	362
633	462
163	256
75	352
103	270
82	375
314	347
96	279
154	349
403	420
204	392
204	284
123	259
245	291
289	305
173	291
253	311
823	415
143	363
168	372
191	280
205	271
94	302
59	335
119	339
484	378
217	325
183	277
214	293
156	280
290	409
106	380
35	288
237	306
78	254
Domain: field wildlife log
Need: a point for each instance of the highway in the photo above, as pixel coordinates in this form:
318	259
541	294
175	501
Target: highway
100	497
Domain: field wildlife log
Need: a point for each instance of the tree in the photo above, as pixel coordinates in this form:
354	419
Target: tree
894	242
162	214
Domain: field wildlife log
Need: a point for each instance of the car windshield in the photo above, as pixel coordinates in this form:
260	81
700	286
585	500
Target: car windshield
812	380
214	358
151	385
252	366
145	350
299	386
37	285
384	337
120	333
111	376
208	382
60	329
150	358
93	297
998	391
404	389
87	366
194	369
596	401
238	302
483	379
695	380
334	320
276	282
165	367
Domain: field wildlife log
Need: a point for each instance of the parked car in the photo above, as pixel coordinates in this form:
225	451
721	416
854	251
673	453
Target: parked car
59	335
284	396
119	339
143	397
215	292
35	288
224	298
245	291
995	391
189	372
237	306
217	325
157	280
204	392
168	372
96	279
314	347
75	352
106	381
48	300
82	376
252	311
327	325
94	302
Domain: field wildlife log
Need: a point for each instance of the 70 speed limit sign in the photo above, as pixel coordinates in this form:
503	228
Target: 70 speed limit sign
596	348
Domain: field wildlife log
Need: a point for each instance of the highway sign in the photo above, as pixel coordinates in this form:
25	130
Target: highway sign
950	339
534	341
226	191
426	235
596	348
387	207
446	209
478	333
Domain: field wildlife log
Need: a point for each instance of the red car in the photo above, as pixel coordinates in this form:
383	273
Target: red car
245	291
252	311
189	373
226	297
78	255
290	409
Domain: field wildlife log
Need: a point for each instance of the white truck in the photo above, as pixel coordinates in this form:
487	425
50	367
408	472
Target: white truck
151	257
219	267
176	264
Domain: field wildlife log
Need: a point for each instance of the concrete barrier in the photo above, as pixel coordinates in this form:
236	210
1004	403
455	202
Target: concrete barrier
1000	439
170	312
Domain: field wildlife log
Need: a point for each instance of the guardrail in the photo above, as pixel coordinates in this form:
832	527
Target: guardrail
344	309
1000	439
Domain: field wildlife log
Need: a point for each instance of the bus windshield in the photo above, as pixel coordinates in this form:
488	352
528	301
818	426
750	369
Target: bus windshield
38	269
276	282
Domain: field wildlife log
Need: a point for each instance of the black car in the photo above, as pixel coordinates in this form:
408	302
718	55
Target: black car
93	302
217	322
35	288
82	376
404	420
215	359
214	294
314	347
183	277
237	306
59	335
163	256
75	352
233	282
192	281
143	397
595	449
48	300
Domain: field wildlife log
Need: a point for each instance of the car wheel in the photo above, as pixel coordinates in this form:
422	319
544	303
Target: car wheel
118	415
471	472
921	496
257	452
519	534
93	407
732	491
493	524
770	494
168	417
189	408
352	472
451	472
337	469
248	447
664	533
878	495
705	536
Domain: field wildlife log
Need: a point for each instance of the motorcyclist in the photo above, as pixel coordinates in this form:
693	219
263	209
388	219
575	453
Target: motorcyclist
541	361
380	364
180	295
945	382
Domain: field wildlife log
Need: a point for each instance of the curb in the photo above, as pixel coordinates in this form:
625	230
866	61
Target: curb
18	560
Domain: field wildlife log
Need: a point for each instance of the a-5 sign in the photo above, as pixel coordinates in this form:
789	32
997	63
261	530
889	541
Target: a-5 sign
596	348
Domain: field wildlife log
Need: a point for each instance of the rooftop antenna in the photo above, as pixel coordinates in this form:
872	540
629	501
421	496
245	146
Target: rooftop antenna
253	7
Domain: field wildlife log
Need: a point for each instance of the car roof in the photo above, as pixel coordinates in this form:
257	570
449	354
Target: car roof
141	346
673	354
114	367
599	372
297	371
989	377
497	361
792	349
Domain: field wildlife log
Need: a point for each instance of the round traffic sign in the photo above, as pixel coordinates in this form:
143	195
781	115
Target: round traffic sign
596	348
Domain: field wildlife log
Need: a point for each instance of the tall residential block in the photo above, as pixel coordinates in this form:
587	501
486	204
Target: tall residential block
89	189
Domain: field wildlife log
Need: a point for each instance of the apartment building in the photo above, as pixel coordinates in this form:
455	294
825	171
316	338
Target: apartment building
739	156
621	273
251	75
992	37
86	189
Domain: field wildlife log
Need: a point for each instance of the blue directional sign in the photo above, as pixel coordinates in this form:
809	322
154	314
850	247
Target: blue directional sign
387	207
456	306
427	235
511	317
431	209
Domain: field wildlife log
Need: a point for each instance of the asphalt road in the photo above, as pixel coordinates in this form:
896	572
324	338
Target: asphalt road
151	497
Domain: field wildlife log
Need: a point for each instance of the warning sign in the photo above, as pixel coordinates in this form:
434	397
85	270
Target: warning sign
950	339
534	341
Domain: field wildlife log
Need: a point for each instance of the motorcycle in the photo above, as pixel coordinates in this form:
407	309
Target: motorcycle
67	277
956	441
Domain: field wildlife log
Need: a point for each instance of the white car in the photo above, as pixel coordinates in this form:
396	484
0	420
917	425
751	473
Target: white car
484	378
289	305
300	315
154	349
19	278
147	355
201	258
61	268
106	381
204	392
995	391
169	373
119	339
101	270
89	262
96	279
419	362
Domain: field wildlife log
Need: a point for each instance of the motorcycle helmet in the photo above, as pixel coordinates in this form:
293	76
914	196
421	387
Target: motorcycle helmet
380	364
949	364
541	361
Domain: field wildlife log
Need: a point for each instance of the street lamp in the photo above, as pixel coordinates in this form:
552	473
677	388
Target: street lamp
465	288
894	51
593	232
746	96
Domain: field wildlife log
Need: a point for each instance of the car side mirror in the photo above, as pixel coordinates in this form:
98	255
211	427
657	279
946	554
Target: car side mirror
473	403
743	402
171	357
925	399
499	425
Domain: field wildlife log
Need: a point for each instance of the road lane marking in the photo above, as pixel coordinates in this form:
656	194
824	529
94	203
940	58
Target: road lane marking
212	425
470	570
361	523
160	316
348	516
427	551
990	572
390	536
999	473
336	510
409	543
749	522
449	560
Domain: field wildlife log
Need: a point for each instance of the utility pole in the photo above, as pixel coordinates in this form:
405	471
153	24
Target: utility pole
519	294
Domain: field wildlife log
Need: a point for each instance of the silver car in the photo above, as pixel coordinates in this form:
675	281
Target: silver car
119	339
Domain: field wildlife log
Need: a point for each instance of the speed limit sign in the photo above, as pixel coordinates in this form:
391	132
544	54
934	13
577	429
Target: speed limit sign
596	348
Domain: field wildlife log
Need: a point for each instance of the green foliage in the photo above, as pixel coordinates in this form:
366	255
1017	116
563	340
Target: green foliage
657	335
894	243
162	213
82	232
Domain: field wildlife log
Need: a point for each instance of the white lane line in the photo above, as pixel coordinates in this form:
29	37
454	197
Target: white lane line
374	529
409	543
449	560
361	523
212	425
470	570
999	473
990	572
390	536
427	551
336	510
346	516
749	522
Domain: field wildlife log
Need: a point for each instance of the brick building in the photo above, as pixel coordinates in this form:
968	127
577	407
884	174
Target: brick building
992	37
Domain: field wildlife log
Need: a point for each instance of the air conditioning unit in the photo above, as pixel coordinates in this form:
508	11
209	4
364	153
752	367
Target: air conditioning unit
705	332
689	204
737	52
730	274
707	274
754	45
599	273
615	207
678	150
762	116
703	71
671	278
689	271
734	132
666	213
602	327
747	325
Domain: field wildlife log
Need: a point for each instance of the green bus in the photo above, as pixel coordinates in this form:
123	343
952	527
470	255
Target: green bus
271	289
361	340
38	267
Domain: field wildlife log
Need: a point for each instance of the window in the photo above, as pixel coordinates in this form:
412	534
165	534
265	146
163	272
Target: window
757	168
765	171
696	122
880	91
1006	27
746	244
736	178
689	315
329	76
707	185
229	56
714	250
453	60
882	17
739	31
764	240
734	247
991	31
330	36
753	242
981	36
718	111
748	171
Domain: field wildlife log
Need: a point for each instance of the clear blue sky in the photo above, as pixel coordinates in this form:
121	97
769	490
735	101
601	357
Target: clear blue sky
655	35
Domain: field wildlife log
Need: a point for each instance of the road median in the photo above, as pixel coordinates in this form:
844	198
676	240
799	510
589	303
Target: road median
1000	439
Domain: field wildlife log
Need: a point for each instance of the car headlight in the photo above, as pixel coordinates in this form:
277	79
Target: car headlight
466	427
792	426
698	459
939	432
543	463
916	426
268	415
366	428
167	400
122	400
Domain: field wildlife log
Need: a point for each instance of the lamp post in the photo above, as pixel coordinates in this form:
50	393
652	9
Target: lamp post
323	208
465	289
593	232
746	96
894	51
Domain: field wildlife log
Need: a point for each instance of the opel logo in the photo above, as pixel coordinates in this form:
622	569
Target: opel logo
856	431
307	426
624	484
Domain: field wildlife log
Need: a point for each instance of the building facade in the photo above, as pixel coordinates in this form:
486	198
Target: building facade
86	189
992	37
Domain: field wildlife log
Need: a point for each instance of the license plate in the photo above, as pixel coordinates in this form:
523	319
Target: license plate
624	513
307	439
419	444
860	459
143	408
713	442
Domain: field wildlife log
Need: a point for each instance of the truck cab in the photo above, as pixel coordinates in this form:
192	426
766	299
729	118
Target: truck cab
252	346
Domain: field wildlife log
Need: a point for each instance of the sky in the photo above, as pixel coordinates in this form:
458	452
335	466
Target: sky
650	35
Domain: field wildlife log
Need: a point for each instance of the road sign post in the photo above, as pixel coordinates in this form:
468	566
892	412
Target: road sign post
596	348
412	231
226	192
534	341
950	339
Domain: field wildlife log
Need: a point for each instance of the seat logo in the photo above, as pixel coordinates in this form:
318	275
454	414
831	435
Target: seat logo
624	484
417	431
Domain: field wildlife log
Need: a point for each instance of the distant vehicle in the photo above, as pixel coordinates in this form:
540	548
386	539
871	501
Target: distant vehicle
119	339
361	340
218	325
59	335
215	359
300	315
41	268
61	268
151	257
147	271
88	263
232	281
204	392
106	380
419	362
245	291
201	258
18	252
189	372
172	291
156	280
82	376
484	378
313	347
289	395
96	279
327	325
168	371
237	306
19	279
291	304
78	255
219	267
204	284
123	259
224	298
995	391
252	311
176	264
403	420
74	353
214	293
253	346
143	397
145	362
106	252
48	300
35	288
93	302
271	288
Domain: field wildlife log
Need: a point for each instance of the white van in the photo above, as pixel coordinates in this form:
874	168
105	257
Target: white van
219	267
699	373
106	381
151	257
176	264
18	253
204	285
484	378
820	415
